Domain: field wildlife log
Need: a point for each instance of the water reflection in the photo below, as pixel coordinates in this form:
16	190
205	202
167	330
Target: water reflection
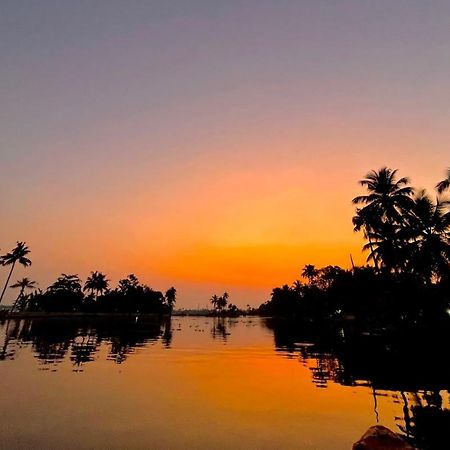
411	371
52	340
412	368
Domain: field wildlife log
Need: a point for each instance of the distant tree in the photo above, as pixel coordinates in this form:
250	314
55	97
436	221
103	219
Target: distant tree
223	301
214	300
171	295
128	284
22	284
16	255
97	283
444	184
297	287
310	273
66	283
220	303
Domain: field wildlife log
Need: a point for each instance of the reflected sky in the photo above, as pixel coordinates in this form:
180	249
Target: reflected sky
200	383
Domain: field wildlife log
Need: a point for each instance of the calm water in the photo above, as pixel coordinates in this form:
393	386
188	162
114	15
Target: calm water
206	383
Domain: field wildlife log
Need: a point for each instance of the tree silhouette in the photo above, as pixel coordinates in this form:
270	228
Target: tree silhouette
97	283
22	284
16	255
220	303
214	300
310	273
444	184
428	230
387	200
68	283
170	296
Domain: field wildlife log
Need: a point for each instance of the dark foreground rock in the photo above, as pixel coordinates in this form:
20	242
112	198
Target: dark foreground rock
381	438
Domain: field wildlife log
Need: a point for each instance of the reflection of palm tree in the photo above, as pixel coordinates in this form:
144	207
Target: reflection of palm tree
17	254
97	283
23	284
444	184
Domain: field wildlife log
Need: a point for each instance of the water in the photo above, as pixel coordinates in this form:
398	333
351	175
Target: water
202	383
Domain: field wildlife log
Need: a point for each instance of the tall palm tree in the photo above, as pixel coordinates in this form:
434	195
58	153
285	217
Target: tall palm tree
387	196
22	284
383	213
16	255
97	283
444	184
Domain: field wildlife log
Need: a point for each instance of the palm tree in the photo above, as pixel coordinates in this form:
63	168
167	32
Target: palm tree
444	184
66	283
387	196
297	287
16	255
23	284
429	229
310	273
97	283
223	301
386	203
367	221
171	295
214	301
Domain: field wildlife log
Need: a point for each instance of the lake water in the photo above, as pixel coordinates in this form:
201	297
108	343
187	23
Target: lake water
205	383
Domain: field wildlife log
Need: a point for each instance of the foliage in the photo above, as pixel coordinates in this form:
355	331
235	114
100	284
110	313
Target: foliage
67	295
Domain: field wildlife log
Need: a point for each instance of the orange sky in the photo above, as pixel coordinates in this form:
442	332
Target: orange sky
214	147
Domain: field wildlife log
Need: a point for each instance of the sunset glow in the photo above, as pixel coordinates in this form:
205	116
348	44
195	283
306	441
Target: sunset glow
208	146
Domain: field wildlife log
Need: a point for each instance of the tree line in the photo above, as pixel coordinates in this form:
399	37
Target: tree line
69	294
407	276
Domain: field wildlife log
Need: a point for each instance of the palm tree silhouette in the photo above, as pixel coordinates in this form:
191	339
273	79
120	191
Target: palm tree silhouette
310	273
387	196
97	283
444	184
429	227
297	287
23	284
366	220
67	283
387	200
214	301
171	295
16	255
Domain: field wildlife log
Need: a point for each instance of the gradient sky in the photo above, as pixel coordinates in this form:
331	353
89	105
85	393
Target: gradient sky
212	145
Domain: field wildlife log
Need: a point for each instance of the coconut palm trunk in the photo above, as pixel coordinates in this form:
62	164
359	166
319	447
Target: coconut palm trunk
7	280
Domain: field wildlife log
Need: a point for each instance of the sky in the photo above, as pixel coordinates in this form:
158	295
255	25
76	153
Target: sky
214	146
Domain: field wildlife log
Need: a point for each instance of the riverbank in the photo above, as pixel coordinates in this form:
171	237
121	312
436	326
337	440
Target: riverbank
74	315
